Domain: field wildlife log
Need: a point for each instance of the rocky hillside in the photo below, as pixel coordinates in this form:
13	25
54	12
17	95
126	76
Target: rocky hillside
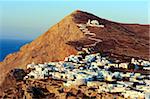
48	89
65	38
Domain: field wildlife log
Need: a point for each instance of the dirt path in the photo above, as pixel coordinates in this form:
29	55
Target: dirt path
92	36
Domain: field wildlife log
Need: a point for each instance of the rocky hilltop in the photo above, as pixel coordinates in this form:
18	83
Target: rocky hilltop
119	41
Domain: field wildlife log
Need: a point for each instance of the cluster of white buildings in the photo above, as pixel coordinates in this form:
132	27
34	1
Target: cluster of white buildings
143	63
93	70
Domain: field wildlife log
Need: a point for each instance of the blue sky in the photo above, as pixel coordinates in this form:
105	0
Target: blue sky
27	19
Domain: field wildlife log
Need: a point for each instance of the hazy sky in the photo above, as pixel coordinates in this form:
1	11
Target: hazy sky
27	19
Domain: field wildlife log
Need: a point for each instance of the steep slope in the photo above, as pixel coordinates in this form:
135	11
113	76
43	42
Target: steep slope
51	46
65	38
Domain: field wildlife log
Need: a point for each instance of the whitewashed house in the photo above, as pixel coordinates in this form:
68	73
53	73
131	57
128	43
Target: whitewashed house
123	65
31	66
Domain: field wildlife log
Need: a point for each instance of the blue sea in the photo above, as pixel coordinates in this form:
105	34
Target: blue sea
8	46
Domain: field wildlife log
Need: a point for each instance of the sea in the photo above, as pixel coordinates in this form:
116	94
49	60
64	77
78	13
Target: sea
8	46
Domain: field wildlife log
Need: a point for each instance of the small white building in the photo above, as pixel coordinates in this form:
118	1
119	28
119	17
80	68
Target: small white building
113	65
31	66
123	65
94	23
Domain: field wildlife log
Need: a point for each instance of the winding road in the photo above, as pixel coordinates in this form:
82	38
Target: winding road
92	36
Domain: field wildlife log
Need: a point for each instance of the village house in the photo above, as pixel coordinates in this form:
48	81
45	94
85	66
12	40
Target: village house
123	65
113	65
